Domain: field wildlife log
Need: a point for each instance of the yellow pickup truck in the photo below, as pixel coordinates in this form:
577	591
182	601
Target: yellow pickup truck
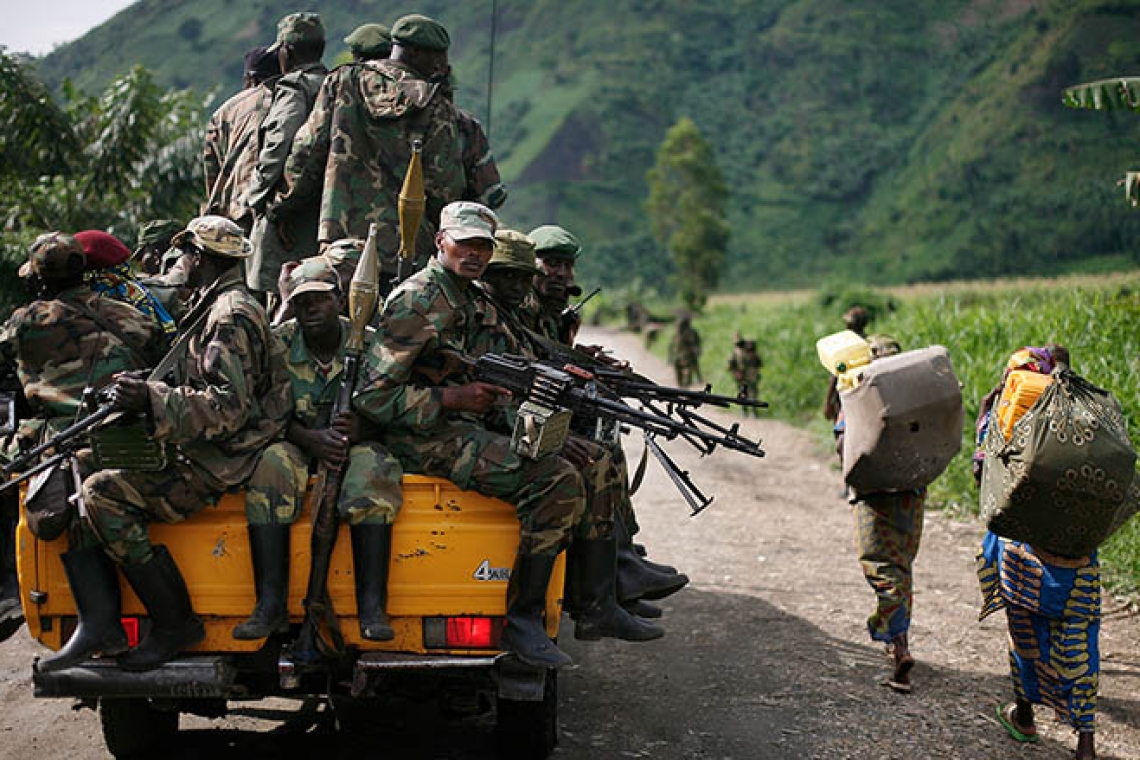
452	553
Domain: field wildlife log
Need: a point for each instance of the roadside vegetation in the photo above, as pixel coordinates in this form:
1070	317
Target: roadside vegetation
980	323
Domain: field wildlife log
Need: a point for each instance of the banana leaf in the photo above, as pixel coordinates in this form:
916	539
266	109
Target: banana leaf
1121	93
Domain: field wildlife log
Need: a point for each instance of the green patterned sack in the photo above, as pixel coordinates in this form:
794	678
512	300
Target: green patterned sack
1060	482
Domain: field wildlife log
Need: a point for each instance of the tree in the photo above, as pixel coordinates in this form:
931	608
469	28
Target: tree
107	163
686	206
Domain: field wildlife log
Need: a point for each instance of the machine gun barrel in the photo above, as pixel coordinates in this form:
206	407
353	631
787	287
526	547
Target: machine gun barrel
62	438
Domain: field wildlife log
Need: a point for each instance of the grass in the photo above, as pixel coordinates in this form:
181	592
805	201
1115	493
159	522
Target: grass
981	324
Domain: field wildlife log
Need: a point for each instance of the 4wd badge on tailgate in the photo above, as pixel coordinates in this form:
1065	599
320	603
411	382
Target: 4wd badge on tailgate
487	573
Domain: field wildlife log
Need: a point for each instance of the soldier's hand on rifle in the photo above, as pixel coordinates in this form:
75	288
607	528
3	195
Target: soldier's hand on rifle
475	397
352	426
130	393
580	453
329	446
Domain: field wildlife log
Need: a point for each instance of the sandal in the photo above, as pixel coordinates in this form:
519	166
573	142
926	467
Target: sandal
1005	715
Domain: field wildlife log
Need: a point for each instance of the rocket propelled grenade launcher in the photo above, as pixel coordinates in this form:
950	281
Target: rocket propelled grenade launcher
411	205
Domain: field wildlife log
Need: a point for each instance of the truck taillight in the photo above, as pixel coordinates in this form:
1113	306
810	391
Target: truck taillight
478	632
131	626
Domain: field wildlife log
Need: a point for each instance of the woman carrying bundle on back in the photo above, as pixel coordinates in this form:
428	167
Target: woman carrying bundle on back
1052	602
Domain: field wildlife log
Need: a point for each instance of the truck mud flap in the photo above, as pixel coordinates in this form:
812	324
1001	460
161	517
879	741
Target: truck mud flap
187	677
518	681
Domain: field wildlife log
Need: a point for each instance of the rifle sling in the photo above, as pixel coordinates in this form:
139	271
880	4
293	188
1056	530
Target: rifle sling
197	319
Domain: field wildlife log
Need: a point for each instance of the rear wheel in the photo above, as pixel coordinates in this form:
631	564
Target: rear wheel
133	727
529	730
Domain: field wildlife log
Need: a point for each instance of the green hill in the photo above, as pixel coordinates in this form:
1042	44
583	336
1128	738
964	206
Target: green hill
876	140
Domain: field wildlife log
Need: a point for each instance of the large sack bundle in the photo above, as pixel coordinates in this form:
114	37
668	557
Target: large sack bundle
903	422
1060	483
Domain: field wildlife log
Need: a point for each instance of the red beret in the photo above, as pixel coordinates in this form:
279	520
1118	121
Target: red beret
103	250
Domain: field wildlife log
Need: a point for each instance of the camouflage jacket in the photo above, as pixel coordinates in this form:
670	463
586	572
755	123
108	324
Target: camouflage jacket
354	150
58	350
293	99
685	347
234	398
404	369
231	152
744	366
484	184
544	316
314	392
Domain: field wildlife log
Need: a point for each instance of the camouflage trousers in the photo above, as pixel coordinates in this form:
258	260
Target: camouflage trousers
597	520
547	493
617	479
888	530
121	503
370	493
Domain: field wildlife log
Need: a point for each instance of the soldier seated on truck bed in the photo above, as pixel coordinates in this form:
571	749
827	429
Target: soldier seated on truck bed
428	422
67	340
370	495
231	402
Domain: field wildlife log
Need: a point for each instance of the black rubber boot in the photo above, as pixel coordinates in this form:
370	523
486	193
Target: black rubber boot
637	581
371	550
269	547
11	613
95	587
643	609
526	601
173	624
599	615
631	552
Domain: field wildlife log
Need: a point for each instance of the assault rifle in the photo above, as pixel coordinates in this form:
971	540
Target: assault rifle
597	402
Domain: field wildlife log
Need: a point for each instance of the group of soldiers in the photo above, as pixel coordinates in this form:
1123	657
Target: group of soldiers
299	165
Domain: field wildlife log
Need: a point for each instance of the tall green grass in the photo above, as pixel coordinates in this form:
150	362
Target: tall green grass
981	326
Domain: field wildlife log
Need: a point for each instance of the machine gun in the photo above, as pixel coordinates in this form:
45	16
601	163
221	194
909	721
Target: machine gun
598	404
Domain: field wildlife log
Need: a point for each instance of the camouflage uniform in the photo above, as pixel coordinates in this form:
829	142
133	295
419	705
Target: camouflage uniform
685	354
231	153
744	366
479	168
293	99
232	400
354	151
370	492
430	311
544	316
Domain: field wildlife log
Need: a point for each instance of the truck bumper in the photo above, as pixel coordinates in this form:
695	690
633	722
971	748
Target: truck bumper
194	677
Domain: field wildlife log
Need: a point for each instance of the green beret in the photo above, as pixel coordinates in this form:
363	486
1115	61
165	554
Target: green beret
553	242
157	232
370	40
419	31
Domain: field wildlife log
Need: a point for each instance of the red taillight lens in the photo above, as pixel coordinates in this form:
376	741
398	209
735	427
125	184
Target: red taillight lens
131	626
471	633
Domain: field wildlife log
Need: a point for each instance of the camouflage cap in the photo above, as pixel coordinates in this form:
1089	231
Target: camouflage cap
216	235
157	232
315	275
343	250
415	30
883	345
515	250
554	242
54	256
467	220
370	40
298	27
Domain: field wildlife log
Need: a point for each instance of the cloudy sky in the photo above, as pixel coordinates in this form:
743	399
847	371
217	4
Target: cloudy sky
36	26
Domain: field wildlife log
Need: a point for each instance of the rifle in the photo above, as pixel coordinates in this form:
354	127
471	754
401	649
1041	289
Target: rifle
571	316
311	644
599	407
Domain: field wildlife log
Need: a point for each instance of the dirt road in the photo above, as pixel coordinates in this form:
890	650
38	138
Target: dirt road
766	654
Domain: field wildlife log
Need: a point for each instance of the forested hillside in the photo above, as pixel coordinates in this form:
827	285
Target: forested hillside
877	140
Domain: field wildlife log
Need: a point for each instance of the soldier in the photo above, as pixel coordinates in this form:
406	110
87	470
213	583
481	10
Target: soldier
685	352
353	152
66	341
744	366
285	231
109	274
153	241
484	185
370	495
425	413
230	401
231	149
591	582
369	42
557	251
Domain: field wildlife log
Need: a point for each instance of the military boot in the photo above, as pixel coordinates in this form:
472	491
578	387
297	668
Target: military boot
371	550
635	578
526	600
11	613
173	624
643	609
95	587
269	547
599	613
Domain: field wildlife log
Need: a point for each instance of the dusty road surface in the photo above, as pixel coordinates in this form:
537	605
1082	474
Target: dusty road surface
766	654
